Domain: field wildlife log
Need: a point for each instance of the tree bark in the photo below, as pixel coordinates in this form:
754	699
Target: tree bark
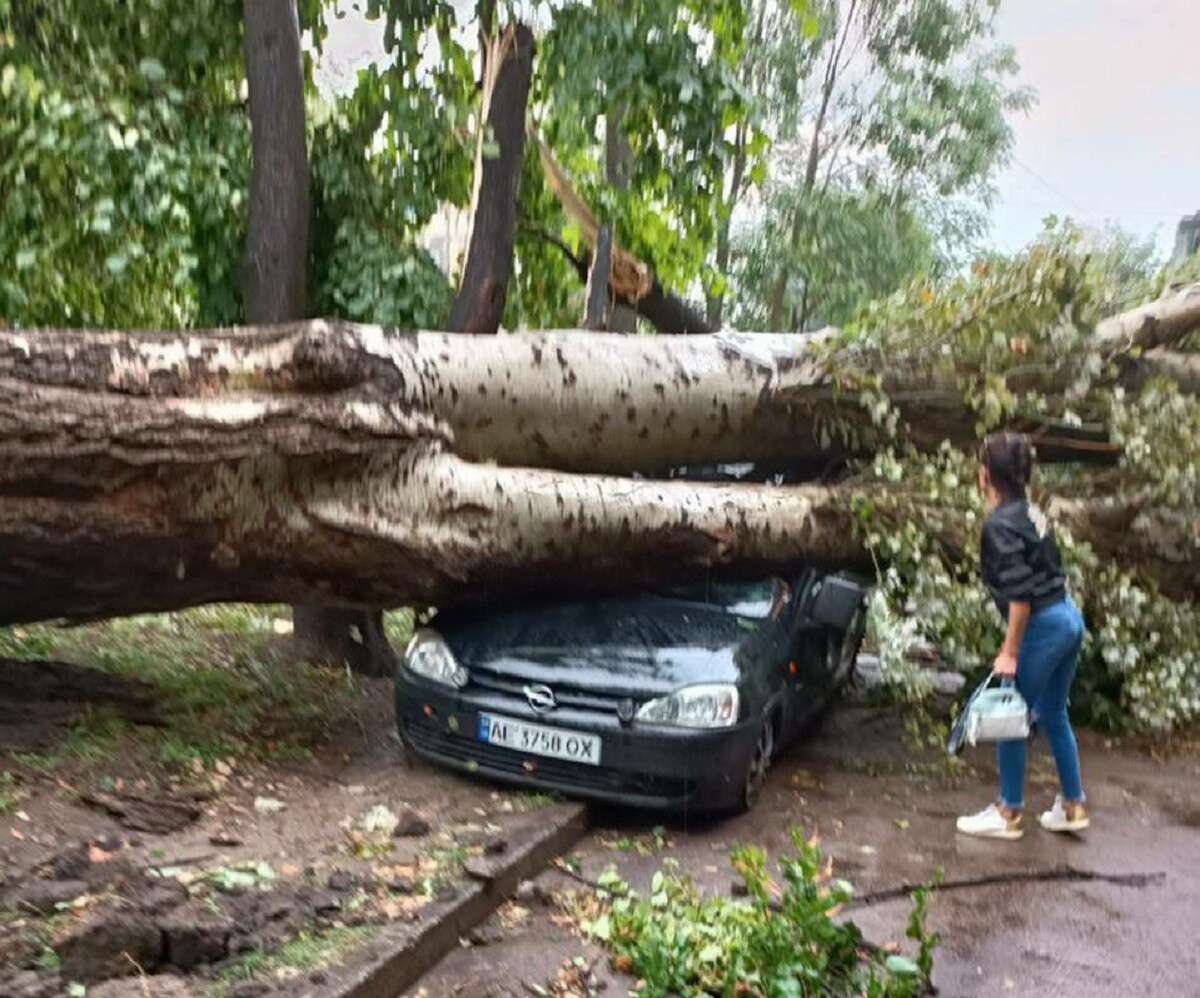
276	258
329	463
618	170
573	400
597	311
1159	323
479	305
424	527
276	255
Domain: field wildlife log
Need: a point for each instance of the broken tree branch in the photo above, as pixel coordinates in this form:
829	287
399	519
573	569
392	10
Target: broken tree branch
1068	874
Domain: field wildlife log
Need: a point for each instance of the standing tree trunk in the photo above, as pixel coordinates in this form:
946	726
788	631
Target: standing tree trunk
618	169
508	71
274	284
273	273
833	68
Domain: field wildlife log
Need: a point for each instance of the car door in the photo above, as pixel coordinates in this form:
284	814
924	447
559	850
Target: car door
805	665
762	654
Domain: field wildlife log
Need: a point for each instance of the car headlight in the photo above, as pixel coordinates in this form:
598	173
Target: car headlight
709	705
429	656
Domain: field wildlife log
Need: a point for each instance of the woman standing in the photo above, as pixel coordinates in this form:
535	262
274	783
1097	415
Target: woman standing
1023	571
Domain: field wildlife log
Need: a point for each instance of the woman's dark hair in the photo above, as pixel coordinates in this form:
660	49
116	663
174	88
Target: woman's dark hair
1008	458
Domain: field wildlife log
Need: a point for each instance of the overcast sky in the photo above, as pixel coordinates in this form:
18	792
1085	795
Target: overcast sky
1115	134
1116	131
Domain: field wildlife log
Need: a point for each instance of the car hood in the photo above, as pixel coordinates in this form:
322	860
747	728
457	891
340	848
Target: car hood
644	646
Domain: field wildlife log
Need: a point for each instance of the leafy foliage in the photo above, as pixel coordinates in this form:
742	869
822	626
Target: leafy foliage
681	942
980	335
122	187
902	120
853	248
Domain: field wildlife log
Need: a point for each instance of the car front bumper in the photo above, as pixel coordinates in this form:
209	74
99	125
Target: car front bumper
640	766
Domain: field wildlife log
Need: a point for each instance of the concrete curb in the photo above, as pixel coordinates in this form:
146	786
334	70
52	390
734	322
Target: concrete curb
402	954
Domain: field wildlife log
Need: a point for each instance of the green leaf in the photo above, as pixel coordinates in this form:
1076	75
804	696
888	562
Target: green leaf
811	26
152	70
26	258
711	953
491	149
601	928
116	263
76	990
902	966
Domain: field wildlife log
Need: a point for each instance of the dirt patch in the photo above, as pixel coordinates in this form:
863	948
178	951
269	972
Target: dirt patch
287	856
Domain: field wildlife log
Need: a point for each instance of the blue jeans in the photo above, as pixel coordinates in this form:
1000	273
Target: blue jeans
1046	666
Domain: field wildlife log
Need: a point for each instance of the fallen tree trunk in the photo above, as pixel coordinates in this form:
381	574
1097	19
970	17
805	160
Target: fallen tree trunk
424	527
329	463
574	401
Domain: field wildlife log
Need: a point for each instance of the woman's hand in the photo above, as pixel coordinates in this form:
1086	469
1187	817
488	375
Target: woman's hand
1005	665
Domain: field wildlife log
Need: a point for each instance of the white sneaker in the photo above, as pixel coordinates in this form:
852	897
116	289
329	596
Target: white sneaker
1064	817
991	823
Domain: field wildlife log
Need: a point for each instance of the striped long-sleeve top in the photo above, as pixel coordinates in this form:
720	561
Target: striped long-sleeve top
1019	558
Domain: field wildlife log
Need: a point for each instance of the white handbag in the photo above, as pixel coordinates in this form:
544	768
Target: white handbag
996	714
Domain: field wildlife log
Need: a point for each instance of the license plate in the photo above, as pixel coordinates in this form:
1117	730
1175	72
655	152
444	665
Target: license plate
539	739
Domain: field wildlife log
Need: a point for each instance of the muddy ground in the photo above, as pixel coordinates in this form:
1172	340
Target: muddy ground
237	876
886	815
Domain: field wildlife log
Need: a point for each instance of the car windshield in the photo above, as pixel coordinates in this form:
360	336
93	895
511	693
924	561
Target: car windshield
746	599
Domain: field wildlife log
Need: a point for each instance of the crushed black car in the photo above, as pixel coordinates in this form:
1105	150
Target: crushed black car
677	699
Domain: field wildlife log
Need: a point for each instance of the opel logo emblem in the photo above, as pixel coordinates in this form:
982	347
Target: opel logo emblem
541	698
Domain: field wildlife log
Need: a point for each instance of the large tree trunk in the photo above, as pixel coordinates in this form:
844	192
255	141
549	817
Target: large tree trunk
618	170
274	269
424	527
273	276
479	305
329	463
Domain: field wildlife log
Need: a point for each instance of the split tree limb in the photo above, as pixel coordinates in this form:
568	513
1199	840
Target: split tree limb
633	281
508	71
666	312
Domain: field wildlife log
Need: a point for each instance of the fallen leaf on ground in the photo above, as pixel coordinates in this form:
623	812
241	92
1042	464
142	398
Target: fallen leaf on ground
268	805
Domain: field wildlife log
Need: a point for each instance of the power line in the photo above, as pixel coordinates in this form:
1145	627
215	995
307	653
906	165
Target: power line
1062	195
1054	190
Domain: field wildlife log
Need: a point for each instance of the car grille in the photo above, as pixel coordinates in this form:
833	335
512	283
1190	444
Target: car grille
436	742
566	696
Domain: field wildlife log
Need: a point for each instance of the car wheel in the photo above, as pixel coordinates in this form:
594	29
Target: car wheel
760	763
841	649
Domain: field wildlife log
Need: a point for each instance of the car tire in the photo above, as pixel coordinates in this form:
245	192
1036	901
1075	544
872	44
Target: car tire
758	765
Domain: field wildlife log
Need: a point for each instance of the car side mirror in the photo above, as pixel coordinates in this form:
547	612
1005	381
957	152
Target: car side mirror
836	602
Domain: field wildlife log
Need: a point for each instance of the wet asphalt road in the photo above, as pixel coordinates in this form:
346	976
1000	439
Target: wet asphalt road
886	815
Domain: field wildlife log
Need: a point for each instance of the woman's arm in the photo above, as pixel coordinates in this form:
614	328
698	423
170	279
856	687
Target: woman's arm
1018	619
